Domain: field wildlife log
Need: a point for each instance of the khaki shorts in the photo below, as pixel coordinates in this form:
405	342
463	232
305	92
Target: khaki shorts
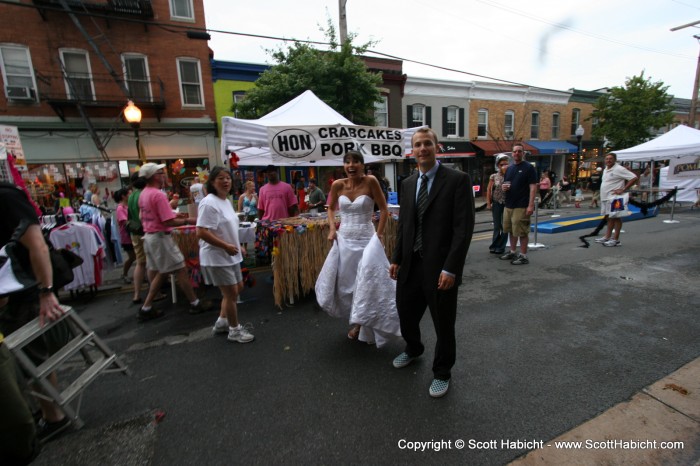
222	276
516	222
137	242
162	254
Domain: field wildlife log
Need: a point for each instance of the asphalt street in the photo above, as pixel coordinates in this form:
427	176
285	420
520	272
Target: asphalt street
542	348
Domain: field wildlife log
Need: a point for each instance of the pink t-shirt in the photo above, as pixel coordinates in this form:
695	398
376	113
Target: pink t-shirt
122	216
155	209
275	200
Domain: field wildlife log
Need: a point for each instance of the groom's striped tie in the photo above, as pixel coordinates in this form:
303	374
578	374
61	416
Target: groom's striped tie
421	205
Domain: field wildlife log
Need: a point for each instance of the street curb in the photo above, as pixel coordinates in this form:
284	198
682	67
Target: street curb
666	411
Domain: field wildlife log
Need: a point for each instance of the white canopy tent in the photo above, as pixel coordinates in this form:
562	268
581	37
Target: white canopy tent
250	140
681	141
681	146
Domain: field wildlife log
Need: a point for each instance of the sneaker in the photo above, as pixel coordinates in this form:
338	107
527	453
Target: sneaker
509	256
49	430
126	279
402	360
602	240
611	244
240	334
202	306
151	314
521	260
439	388
221	326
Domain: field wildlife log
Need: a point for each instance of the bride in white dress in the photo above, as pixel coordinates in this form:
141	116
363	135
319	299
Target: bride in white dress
354	282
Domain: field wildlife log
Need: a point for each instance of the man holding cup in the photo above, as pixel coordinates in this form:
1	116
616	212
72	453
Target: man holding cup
520	186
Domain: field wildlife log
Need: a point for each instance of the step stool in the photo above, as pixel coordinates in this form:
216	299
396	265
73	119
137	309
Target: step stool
83	338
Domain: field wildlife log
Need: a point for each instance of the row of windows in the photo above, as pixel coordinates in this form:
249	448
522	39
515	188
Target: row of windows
20	81
419	115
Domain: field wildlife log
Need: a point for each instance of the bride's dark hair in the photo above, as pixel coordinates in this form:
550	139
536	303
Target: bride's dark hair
353	155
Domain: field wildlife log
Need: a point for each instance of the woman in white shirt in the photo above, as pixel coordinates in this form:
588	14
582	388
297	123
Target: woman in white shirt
220	252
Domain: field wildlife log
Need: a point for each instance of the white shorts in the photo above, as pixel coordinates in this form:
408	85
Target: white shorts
605	210
222	275
162	254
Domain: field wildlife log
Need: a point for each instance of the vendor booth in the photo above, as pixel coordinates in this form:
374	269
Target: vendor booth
304	132
681	146
681	141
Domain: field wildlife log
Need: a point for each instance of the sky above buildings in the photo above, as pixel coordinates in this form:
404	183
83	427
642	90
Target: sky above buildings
545	43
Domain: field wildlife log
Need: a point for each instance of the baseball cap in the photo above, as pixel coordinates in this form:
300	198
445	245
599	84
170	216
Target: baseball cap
147	170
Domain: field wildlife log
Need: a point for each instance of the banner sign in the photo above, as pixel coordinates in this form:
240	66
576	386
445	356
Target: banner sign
684	167
10	137
310	143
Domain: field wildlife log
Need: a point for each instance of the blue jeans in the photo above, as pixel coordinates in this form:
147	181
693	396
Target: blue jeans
500	238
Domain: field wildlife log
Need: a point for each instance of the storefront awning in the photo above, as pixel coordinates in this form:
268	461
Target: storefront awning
496	147
456	149
554	147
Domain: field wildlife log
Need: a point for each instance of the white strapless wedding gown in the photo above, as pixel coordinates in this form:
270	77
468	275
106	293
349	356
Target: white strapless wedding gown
354	282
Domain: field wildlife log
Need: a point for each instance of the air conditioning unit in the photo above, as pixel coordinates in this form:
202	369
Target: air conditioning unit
20	93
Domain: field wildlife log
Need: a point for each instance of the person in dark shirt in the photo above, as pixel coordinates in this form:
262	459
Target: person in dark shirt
520	186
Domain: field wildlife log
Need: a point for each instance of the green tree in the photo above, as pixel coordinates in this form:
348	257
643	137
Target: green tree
628	115
338	77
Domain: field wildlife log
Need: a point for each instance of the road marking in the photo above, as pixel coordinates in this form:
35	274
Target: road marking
482	236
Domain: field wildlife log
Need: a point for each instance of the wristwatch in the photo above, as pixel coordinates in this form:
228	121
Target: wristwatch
46	290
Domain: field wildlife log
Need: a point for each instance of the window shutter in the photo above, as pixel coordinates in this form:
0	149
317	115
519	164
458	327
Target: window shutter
461	122
409	116
444	121
428	119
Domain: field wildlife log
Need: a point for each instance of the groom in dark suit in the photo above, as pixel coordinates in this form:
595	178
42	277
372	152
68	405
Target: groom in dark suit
436	222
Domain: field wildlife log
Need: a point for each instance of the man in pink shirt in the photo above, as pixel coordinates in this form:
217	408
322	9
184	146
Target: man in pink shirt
276	200
162	254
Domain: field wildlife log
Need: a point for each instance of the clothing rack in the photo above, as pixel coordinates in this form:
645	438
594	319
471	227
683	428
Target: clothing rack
103	209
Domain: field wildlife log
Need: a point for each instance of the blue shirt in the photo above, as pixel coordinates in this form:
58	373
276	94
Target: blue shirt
431	177
521	176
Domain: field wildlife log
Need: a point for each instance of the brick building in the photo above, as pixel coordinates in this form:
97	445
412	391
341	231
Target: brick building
68	69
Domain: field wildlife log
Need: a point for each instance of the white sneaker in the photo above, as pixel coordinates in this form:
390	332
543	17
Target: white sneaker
612	243
602	240
221	326
240	334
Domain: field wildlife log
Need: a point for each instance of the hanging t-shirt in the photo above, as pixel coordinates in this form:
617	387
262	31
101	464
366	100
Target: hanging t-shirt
217	215
81	240
197	191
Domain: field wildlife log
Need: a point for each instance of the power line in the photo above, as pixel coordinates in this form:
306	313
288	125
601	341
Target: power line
578	31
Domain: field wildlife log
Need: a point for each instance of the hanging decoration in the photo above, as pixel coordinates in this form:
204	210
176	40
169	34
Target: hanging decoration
233	160
178	167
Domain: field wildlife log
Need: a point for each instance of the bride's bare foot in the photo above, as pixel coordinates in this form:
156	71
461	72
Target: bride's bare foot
354	332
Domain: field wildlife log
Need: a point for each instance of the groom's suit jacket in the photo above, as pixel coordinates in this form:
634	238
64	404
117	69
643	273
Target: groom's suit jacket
448	225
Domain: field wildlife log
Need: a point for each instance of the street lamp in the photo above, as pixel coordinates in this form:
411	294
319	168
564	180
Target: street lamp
579	135
133	116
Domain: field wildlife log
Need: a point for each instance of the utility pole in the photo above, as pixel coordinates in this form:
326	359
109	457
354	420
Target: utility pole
343	21
696	84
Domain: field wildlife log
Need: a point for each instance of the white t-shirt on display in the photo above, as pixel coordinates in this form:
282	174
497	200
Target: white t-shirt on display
197	191
217	215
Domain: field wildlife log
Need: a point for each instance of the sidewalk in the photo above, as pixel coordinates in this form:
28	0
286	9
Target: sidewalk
659	425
